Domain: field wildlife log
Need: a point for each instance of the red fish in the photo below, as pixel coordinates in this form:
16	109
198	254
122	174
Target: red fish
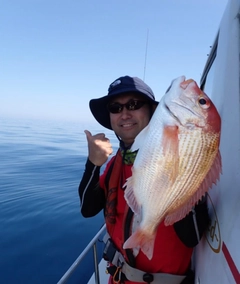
177	162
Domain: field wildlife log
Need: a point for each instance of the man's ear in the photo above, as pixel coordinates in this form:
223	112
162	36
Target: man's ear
152	110
154	107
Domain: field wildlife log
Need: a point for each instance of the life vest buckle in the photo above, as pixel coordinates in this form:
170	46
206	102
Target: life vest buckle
109	250
148	278
118	275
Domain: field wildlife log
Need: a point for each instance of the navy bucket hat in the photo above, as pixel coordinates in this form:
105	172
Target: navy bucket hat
121	85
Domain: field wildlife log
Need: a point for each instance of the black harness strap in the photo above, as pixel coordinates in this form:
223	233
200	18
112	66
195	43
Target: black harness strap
127	227
128	219
107	178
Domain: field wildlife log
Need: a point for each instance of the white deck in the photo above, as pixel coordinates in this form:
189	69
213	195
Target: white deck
103	275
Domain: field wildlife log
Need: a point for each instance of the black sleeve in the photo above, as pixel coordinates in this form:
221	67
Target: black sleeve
91	195
185	228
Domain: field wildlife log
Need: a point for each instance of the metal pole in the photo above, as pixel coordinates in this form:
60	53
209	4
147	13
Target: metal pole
81	256
97	280
145	63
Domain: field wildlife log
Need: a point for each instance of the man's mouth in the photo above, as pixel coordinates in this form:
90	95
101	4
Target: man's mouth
127	125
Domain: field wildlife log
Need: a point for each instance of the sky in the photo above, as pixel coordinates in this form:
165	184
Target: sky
56	55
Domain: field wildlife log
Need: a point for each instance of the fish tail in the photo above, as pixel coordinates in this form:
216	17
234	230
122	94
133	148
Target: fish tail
142	240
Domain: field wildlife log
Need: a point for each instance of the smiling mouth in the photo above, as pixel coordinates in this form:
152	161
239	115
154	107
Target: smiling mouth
127	125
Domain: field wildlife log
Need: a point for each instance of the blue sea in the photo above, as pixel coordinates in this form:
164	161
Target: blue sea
42	231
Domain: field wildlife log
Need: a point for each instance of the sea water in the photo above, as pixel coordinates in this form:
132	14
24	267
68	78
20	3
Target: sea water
42	231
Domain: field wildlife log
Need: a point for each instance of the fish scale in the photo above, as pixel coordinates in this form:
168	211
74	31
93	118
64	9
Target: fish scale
195	168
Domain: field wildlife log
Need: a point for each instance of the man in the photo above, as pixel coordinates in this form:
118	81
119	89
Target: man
127	109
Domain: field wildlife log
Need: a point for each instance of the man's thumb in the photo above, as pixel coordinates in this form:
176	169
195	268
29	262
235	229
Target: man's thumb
88	134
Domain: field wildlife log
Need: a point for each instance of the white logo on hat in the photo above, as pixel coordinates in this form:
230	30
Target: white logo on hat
117	82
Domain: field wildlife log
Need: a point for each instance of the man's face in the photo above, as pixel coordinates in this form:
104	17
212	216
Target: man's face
128	123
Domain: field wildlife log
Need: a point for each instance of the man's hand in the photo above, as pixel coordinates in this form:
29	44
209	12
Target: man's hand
99	148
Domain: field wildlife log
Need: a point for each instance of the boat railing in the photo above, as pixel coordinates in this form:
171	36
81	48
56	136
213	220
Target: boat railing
92	245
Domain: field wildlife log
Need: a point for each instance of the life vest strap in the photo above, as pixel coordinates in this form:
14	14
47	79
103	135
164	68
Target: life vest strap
113	256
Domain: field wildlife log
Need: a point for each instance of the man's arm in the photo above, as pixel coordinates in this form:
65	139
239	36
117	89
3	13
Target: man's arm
190	232
91	194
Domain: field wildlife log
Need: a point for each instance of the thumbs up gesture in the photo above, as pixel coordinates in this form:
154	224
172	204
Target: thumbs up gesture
99	148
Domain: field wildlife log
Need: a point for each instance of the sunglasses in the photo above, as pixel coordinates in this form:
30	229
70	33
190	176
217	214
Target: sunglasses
130	105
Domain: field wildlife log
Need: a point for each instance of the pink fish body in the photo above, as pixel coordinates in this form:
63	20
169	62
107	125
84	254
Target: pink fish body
177	162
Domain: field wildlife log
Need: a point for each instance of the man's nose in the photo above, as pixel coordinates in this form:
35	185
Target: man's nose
126	113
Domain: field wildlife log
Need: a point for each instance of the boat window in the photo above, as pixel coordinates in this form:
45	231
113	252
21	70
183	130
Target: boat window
208	72
208	83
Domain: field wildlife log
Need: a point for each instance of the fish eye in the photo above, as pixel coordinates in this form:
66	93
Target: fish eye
202	101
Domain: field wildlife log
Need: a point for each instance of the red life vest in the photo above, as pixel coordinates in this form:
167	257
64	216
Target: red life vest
170	254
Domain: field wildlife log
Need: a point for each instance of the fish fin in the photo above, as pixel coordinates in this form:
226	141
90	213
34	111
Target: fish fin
137	218
135	225
170	146
130	197
139	140
141	240
178	214
211	178
136	251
